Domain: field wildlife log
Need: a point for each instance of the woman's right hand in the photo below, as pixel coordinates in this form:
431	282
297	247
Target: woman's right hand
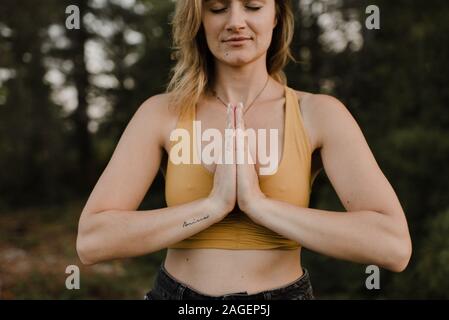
224	192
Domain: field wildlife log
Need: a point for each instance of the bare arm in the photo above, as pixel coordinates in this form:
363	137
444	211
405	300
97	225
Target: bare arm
109	226
374	230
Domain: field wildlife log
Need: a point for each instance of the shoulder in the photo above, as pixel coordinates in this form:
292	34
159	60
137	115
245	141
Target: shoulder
156	105
320	103
326	114
155	116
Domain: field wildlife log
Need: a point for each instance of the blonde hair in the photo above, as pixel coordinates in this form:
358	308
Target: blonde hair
193	71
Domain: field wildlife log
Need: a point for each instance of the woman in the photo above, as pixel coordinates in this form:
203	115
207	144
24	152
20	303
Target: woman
232	232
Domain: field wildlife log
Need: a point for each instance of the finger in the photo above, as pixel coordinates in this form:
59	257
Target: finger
243	155
229	135
246	139
239	117
239	135
229	117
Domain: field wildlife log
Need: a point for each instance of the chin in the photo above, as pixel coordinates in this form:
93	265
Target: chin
238	63
237	60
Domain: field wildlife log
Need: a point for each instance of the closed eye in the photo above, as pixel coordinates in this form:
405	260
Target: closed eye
217	10
223	9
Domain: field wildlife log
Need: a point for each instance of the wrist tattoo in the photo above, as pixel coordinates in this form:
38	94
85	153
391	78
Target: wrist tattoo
186	224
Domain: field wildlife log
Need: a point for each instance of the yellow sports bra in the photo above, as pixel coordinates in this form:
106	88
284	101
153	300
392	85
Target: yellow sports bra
290	183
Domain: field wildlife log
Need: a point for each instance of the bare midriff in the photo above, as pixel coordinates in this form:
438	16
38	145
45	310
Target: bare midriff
221	271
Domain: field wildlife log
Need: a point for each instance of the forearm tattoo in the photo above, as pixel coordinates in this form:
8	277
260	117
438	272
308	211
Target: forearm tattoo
186	224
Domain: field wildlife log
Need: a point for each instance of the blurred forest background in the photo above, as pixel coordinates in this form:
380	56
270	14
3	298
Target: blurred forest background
67	95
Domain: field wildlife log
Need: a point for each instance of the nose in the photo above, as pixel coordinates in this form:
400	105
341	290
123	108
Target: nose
236	18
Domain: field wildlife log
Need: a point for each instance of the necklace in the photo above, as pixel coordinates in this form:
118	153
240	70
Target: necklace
251	104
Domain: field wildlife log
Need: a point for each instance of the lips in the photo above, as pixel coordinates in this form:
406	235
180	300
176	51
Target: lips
237	39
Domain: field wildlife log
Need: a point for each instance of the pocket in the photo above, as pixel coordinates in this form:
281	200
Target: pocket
301	296
148	296
159	294
299	293
308	295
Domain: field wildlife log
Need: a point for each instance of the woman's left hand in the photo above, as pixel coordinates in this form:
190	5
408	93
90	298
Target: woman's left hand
248	190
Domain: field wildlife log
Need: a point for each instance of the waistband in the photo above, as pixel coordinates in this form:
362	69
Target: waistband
178	289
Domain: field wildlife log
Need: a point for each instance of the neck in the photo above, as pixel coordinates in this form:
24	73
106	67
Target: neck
242	84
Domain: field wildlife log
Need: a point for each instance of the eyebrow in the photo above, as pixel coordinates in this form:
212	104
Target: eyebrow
222	1
225	1
206	1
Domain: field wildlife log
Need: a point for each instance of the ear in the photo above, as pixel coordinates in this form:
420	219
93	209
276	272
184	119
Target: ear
275	22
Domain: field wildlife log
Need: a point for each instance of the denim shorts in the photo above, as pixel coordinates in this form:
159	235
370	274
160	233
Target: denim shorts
166	287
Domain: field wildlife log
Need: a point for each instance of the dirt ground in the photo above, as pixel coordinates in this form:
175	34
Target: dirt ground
38	244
